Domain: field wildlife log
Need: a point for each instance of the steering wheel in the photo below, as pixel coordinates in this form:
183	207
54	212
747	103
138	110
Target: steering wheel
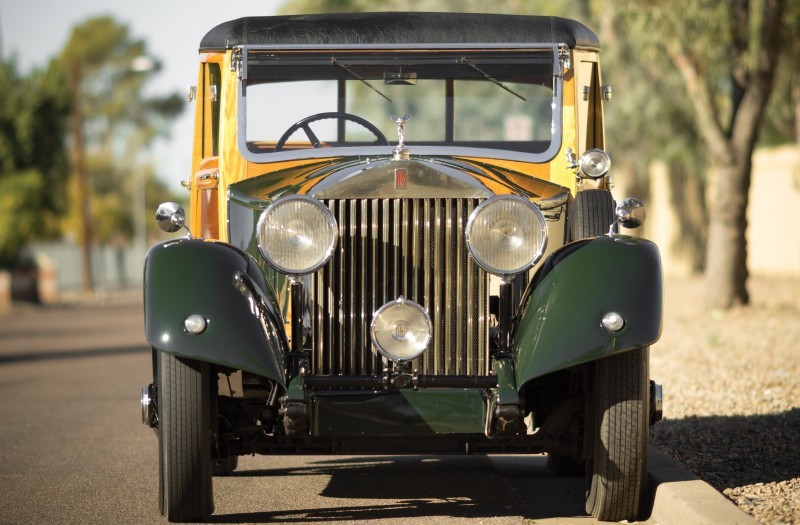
338	115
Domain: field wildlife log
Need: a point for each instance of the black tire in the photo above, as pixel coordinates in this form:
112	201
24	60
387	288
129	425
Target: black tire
592	215
618	431
185	487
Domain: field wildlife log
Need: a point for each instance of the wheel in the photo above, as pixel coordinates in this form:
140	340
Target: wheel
338	115
185	490
617	431
593	214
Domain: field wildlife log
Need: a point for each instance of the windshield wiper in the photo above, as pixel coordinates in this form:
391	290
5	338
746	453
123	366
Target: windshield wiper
353	73
490	78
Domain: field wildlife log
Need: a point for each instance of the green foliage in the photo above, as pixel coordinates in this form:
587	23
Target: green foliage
650	118
119	121
783	112
33	163
119	124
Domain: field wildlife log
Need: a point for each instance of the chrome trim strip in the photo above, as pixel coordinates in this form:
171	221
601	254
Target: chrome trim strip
373	151
514	46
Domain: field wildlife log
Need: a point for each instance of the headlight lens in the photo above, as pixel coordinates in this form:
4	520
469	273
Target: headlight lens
594	163
506	235
296	234
401	330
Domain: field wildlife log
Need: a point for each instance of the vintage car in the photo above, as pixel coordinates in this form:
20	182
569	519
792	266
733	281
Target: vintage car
401	240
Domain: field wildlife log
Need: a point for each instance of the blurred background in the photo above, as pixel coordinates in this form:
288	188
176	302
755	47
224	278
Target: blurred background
95	130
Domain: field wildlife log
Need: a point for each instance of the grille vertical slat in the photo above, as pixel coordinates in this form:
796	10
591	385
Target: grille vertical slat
377	263
439	306
338	344
425	294
449	298
364	279
392	247
461	362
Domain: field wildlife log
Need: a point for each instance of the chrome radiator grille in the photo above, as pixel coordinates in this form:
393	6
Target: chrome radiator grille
393	247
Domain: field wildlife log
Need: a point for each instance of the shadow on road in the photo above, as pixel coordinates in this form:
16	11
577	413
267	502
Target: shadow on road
72	354
407	509
423	488
734	451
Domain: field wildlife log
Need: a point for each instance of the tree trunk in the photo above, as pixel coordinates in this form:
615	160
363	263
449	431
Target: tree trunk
731	149
79	160
688	198
796	106
726	250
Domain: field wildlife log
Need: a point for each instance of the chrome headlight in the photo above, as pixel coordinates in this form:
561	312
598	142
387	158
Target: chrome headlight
631	213
170	217
594	163
401	330
506	235
296	234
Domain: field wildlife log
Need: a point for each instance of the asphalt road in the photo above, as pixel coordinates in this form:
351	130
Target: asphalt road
73	449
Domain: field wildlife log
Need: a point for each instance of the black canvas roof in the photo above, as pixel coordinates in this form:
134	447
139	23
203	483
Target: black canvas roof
398	28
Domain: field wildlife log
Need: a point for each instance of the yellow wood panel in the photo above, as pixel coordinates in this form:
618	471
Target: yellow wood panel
203	196
234	168
197	138
559	173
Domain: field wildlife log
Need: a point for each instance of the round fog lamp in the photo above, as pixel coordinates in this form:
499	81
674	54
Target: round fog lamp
296	234
612	322
401	330
195	324
594	163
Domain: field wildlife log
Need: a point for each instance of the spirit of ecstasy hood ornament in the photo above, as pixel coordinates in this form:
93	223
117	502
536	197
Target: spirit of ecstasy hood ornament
401	152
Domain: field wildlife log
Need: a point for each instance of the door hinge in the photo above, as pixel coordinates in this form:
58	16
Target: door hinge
564	59
236	62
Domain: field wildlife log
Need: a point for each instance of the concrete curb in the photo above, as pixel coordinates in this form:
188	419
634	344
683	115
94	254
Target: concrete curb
679	497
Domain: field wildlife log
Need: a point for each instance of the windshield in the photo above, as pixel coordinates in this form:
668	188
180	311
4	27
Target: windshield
500	100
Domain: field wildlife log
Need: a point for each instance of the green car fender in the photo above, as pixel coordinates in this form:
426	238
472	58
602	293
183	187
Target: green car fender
559	321
226	287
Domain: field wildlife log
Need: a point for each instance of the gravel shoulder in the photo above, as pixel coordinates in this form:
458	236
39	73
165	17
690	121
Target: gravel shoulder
732	393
